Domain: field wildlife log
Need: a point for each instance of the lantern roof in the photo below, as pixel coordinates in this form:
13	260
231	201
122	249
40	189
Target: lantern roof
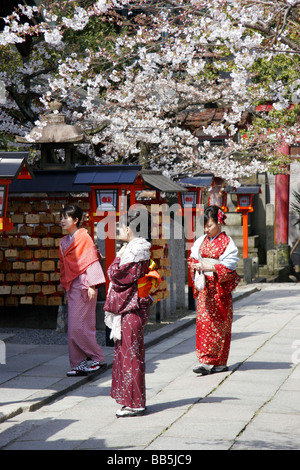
14	165
55	130
198	181
125	174
106	174
157	180
49	181
244	189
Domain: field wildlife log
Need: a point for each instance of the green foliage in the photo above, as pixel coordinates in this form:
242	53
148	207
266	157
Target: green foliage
276	119
283	67
279	163
97	34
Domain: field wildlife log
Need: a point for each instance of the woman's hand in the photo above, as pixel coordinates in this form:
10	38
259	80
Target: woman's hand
203	266
121	251
92	292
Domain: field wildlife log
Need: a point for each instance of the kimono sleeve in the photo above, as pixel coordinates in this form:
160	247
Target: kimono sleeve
126	274
191	266
95	275
227	280
224	274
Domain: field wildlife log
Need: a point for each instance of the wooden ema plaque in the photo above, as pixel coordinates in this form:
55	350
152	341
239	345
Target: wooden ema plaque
160	255
29	254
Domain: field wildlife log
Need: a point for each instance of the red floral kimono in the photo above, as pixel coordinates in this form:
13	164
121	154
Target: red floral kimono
214	302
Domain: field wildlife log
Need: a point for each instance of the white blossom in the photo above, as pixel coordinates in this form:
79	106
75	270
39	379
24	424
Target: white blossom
53	36
151	75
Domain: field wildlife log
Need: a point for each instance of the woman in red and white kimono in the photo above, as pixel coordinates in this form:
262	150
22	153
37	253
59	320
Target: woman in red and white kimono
215	255
126	314
81	274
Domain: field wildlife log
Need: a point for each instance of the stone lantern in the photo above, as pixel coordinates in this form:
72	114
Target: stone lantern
57	140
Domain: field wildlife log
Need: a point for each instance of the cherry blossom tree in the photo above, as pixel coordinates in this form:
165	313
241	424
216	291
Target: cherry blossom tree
133	79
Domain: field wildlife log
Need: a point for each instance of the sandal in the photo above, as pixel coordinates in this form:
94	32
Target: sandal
206	369
125	411
95	365
203	369
81	369
84	369
76	373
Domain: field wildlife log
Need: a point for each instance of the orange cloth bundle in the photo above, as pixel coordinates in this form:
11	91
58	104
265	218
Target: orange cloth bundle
151	279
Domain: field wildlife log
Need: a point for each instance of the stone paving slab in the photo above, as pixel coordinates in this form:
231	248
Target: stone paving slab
254	405
44	367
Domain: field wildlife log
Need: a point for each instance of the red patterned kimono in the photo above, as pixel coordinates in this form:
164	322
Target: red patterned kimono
128	374
214	302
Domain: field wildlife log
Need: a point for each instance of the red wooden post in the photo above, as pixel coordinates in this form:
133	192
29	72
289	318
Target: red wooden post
282	202
5	222
245	234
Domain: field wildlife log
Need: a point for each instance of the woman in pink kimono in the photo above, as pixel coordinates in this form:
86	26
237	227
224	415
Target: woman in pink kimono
81	273
127	314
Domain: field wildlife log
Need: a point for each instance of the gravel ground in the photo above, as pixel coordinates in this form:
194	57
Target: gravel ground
42	336
51	336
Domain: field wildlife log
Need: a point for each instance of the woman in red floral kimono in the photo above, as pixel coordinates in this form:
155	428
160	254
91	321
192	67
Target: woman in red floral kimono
126	314
214	255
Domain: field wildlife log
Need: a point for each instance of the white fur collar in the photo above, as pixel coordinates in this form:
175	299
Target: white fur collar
229	258
137	249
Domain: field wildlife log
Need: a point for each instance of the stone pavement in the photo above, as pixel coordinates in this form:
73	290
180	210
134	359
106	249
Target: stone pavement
255	405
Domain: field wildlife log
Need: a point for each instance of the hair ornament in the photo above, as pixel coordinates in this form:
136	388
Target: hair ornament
221	217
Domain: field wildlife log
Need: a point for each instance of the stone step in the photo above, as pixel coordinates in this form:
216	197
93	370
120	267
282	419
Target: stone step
279	273
233	218
235	231
253	241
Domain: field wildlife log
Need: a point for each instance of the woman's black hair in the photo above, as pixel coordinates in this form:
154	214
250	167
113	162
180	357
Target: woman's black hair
139	221
72	211
211	212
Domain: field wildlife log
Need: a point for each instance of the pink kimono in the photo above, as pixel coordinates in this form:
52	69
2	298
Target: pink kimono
82	341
